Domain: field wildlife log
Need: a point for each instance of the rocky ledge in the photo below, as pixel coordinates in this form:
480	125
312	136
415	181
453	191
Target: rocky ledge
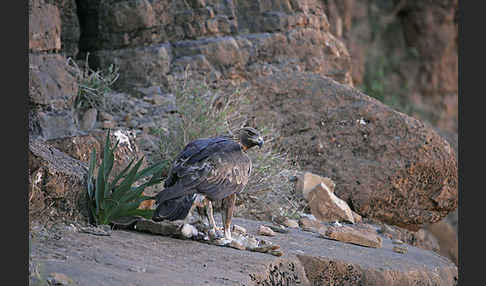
136	258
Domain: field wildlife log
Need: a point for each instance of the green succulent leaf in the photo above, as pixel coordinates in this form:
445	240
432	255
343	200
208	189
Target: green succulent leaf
92	163
121	175
100	189
128	181
148	214
108	156
120	197
133	193
124	209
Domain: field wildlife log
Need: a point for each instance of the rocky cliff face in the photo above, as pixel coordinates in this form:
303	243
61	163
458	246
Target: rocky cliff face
52	89
415	42
154	40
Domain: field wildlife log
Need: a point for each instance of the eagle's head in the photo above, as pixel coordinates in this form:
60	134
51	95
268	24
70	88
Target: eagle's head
249	137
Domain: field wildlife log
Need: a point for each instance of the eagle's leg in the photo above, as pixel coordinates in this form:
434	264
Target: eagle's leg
206	212
228	207
210	215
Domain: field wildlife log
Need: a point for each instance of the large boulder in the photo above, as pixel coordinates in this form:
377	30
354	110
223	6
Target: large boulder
386	165
57	184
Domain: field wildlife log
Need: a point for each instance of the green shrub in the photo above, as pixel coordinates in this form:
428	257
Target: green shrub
117	198
200	114
92	85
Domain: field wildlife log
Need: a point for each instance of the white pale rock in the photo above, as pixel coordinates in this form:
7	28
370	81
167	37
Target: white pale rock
309	181
263	230
327	207
292	223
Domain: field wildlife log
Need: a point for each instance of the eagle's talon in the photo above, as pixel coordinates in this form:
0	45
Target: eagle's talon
215	233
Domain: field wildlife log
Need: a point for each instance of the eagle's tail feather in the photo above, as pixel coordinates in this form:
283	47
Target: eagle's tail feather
174	209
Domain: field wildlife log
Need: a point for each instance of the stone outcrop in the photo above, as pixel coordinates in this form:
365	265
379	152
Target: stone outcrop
130	257
419	42
386	165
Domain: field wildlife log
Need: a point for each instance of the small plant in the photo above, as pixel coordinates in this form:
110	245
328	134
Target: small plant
374	82
92	85
112	199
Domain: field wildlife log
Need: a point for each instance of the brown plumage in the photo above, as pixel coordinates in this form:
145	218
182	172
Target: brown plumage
216	168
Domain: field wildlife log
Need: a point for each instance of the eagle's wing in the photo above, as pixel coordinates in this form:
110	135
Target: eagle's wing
188	153
214	167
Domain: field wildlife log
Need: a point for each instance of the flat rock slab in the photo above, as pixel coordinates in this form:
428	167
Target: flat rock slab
133	258
350	235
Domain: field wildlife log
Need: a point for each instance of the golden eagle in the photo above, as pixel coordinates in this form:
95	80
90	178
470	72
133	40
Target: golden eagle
212	168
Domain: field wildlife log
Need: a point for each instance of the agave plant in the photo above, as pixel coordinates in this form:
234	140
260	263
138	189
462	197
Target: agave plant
109	200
